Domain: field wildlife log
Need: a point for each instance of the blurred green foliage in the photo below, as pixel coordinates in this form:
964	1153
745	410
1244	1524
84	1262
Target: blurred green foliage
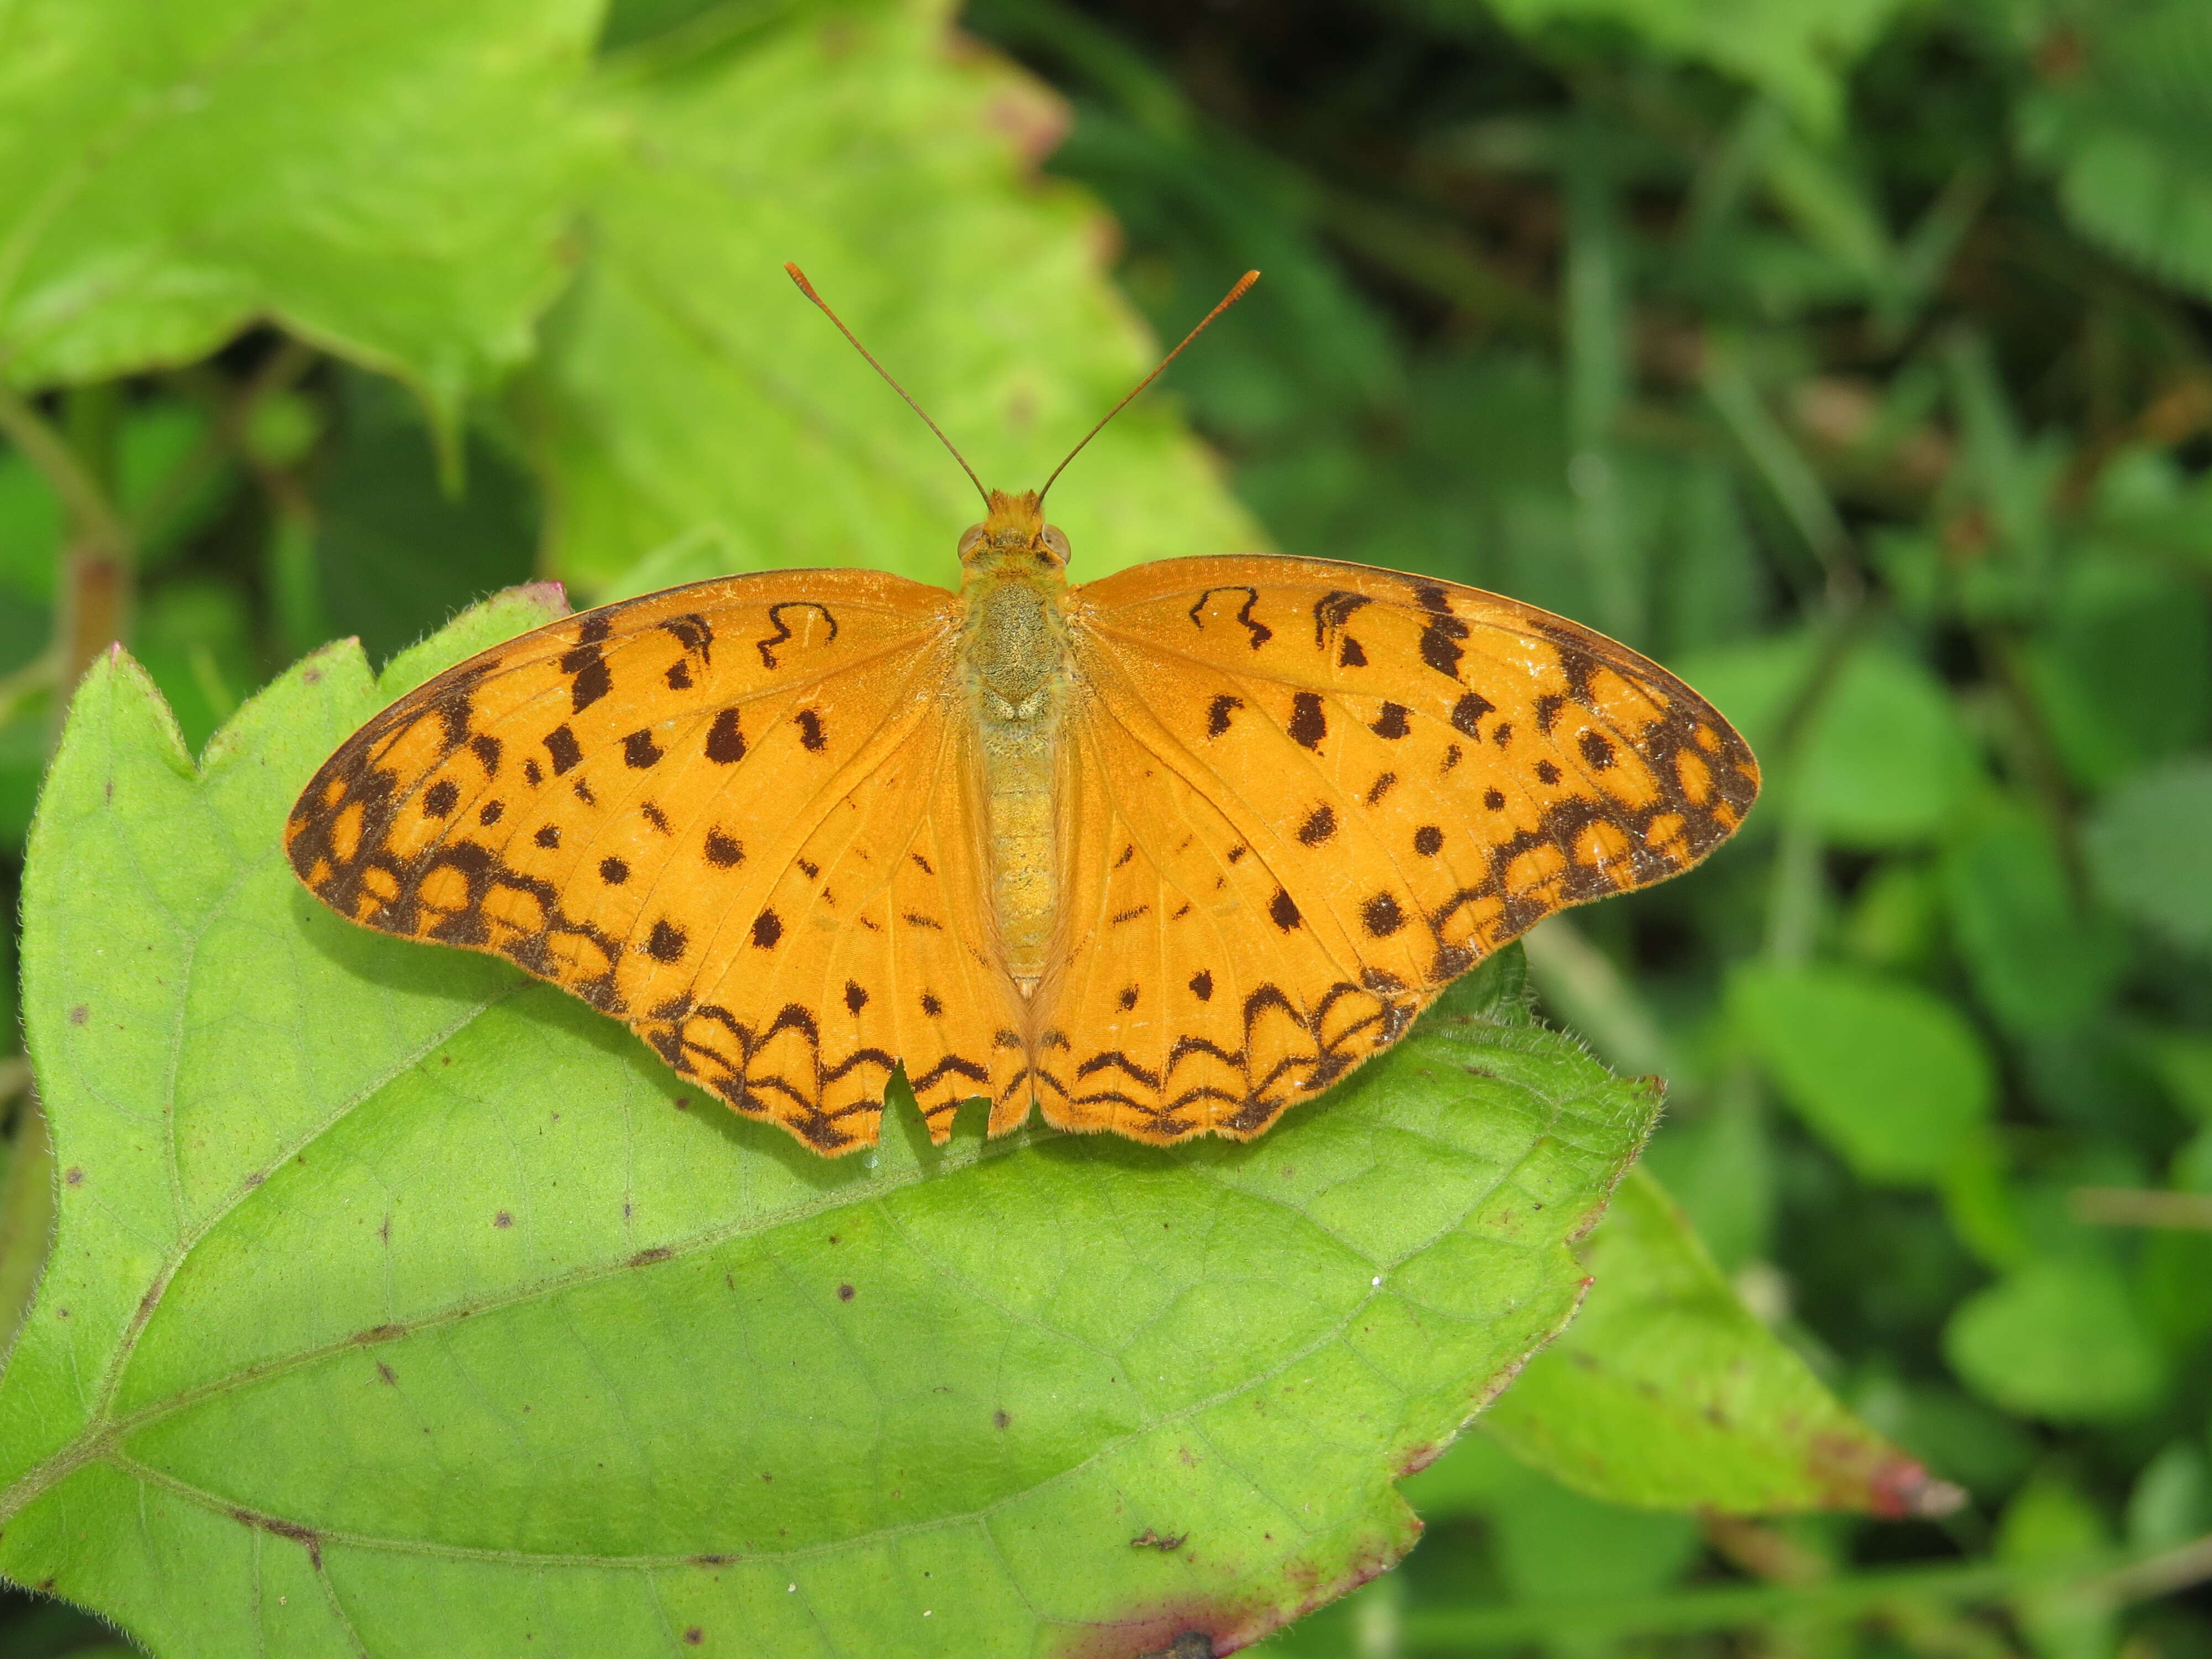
1853	359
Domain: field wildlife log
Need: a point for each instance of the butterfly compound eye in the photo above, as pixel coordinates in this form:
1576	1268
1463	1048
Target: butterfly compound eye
969	539
1056	540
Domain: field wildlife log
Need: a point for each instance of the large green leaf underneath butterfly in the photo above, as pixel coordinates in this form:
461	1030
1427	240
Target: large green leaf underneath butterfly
400	1306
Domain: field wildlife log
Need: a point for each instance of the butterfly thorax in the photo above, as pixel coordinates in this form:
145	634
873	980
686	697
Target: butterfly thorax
1014	653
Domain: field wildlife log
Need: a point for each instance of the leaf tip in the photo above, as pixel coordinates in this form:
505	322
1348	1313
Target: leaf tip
1902	1489
551	595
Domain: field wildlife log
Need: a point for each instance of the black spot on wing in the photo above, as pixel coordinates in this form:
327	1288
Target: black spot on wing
1443	631
726	742
1468	711
592	681
561	745
1381	916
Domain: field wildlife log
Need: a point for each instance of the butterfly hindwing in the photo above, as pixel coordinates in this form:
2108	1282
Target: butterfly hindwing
1376	780
727	814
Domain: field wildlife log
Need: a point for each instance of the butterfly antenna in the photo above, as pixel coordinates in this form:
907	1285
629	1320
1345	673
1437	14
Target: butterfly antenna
807	288
1243	286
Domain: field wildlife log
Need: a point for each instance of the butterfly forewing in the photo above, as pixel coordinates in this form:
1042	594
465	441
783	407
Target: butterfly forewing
732	814
1348	785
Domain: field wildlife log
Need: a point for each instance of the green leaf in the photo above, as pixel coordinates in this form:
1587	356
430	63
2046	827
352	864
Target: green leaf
1796	52
401	1305
2123	668
161	480
2052	1521
1883	759
194	639
392	181
2126	129
2150	855
2172	1503
691	398
22	763
1891	1077
1667	1393
396	554
2060	1339
2039	963
30	553
1552	1543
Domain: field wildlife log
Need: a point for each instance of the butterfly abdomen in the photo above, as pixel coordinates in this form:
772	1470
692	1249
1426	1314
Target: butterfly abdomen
1016	657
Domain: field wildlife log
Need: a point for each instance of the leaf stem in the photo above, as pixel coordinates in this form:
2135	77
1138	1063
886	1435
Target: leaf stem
2115	1577
83	496
1794	484
2129	1207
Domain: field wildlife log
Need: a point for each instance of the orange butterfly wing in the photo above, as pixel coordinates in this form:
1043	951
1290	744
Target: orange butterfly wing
734	814
1308	795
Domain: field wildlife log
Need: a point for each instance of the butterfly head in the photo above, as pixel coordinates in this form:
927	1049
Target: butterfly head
1013	538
